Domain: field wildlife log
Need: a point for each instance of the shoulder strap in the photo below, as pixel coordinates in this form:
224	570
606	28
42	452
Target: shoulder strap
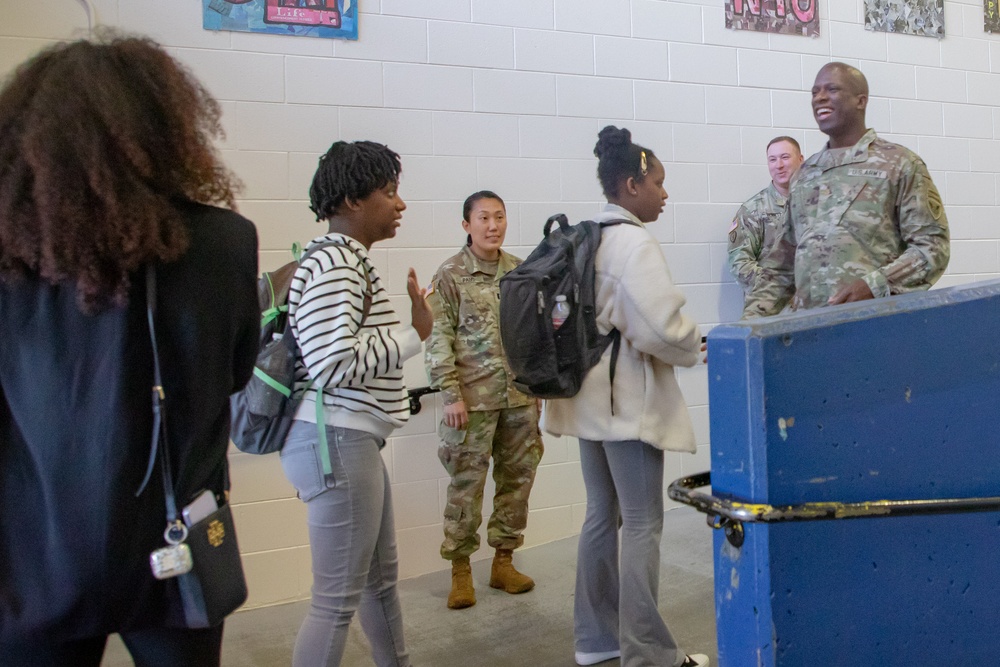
614	335
612	223
369	293
176	531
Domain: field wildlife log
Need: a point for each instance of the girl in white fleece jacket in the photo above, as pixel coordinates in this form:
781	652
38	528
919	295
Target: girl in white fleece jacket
621	449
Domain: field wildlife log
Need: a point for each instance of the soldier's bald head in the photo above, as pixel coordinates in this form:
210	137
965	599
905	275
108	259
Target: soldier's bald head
839	101
852	76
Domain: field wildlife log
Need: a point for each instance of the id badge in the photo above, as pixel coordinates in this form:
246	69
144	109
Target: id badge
171	561
174	559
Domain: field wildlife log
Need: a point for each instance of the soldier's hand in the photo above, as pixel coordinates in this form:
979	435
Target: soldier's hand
856	291
420	310
456	416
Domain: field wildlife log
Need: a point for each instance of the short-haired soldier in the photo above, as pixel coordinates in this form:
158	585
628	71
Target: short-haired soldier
756	225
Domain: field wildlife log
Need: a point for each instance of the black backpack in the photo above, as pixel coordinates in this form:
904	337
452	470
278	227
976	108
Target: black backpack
262	413
549	362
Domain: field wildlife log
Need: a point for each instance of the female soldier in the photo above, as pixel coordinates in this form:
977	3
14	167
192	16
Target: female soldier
484	415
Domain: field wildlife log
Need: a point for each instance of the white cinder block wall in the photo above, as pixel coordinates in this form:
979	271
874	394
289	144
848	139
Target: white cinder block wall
510	96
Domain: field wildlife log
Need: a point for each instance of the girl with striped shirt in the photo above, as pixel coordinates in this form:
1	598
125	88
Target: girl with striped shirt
352	348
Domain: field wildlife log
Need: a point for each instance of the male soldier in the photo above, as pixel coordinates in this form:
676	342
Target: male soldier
758	221
484	415
864	219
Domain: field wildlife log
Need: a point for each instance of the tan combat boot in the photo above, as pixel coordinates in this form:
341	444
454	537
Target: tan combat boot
462	593
505	577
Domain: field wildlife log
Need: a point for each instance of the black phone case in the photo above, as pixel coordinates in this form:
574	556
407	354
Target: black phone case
216	586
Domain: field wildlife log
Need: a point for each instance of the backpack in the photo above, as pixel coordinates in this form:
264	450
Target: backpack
262	413
549	362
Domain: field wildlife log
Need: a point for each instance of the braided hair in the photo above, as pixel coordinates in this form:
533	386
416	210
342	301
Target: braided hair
619	159
351	170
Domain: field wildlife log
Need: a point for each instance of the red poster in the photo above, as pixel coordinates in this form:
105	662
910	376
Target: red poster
789	17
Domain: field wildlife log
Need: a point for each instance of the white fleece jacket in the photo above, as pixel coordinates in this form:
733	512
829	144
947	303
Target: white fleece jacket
637	296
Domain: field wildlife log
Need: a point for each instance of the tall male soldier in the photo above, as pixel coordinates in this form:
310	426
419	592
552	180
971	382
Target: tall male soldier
757	224
864	219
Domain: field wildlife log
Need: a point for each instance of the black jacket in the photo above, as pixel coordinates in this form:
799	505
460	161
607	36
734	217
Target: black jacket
75	427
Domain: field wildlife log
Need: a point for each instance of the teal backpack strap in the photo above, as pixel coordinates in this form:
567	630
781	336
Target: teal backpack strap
272	383
324	449
270	287
270	314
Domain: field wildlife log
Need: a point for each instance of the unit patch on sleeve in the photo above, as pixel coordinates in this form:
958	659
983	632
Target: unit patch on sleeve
934	203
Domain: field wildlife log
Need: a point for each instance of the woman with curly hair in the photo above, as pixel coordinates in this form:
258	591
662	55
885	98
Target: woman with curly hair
107	167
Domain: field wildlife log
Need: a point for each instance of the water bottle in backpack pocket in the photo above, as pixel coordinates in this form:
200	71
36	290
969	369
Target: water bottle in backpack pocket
566	331
560	312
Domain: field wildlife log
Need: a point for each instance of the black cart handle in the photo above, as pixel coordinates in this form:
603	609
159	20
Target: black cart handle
414	396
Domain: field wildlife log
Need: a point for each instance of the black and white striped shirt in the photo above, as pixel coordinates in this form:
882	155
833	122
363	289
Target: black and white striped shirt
358	365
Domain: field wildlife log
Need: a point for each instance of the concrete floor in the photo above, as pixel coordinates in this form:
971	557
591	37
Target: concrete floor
530	630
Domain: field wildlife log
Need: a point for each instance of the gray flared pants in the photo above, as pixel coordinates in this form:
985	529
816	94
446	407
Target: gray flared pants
616	592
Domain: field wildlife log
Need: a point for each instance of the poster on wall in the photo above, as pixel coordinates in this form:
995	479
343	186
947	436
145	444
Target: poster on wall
788	17
910	17
991	15
299	18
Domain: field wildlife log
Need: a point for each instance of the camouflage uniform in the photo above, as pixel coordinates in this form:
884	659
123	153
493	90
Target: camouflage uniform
755	227
465	360
870	211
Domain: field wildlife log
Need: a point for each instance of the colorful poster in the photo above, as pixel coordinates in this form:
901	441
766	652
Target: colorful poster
788	17
991	15
301	18
910	17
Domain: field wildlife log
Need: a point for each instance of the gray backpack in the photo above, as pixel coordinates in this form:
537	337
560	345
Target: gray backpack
262	413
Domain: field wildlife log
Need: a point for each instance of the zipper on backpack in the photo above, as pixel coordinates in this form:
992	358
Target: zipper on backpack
541	303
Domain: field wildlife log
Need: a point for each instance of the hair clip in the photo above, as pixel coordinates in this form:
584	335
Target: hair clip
643	167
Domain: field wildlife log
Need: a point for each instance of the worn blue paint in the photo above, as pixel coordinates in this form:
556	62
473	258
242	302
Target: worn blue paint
894	399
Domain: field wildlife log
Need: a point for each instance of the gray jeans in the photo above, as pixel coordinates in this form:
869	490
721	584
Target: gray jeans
616	594
353	542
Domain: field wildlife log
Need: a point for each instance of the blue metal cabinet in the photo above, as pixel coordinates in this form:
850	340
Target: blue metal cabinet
894	399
